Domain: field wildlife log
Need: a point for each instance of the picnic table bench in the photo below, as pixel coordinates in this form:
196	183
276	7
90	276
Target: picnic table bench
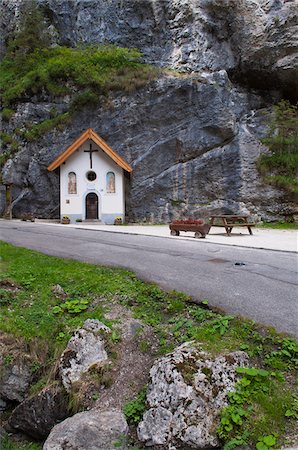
229	221
199	227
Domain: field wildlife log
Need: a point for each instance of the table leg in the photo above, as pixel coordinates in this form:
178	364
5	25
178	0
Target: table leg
250	230
226	225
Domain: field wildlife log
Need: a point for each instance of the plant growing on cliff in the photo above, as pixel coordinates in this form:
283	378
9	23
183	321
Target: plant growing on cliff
135	409
32	32
86	75
280	166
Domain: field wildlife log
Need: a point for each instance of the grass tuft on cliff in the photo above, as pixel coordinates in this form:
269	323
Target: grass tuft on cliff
43	320
91	71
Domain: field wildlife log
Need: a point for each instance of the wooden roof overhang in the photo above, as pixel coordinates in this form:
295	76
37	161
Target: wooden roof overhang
89	134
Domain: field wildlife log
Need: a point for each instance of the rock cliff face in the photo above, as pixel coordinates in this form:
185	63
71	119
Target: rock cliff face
192	138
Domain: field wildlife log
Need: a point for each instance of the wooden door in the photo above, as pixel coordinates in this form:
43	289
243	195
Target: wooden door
92	206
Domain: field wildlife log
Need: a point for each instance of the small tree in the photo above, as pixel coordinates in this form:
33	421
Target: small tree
280	167
32	33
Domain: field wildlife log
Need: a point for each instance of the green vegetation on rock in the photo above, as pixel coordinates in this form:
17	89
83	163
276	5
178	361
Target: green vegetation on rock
78	77
135	409
86	73
280	166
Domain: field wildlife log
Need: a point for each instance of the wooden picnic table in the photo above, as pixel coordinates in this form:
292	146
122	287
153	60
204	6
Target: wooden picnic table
229	221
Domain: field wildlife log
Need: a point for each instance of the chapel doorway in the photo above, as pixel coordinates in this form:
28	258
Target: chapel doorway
92	206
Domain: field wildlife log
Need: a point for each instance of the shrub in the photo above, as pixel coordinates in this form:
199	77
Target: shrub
280	167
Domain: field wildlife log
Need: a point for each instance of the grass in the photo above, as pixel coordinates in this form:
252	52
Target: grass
33	309
9	444
63	71
86	75
35	132
279	225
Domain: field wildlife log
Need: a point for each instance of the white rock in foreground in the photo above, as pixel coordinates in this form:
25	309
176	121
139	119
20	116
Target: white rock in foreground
187	390
90	430
84	350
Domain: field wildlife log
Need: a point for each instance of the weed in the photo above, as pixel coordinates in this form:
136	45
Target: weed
115	336
249	404
144	346
8	359
221	324
6	297
293	410
135	409
7	114
6	138
75	306
267	442
7	443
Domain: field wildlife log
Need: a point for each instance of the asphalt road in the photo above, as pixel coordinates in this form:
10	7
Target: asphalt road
263	287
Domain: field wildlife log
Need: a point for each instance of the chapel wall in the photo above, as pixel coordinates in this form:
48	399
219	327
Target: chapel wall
111	205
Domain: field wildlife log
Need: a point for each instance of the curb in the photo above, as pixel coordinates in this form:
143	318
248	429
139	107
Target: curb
187	239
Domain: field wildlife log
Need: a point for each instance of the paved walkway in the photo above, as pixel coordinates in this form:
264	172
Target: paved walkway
263	238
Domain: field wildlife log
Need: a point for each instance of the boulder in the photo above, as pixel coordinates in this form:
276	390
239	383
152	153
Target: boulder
37	415
187	390
15	381
85	349
58	291
90	430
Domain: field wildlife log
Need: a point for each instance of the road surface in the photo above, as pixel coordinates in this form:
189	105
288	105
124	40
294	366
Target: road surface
259	284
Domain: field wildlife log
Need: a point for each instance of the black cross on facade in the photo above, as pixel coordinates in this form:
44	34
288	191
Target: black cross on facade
90	153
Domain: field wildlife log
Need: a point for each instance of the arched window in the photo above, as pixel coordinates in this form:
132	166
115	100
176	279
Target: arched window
111	189
72	183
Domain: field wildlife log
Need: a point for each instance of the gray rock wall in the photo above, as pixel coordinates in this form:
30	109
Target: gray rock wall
192	138
253	38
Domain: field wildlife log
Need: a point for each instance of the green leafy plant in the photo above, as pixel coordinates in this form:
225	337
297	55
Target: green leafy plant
267	442
61	335
75	306
221	324
239	417
115	336
135	409
286	354
293	411
8	359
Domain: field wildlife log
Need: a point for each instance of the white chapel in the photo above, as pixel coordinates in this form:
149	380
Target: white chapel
91	180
